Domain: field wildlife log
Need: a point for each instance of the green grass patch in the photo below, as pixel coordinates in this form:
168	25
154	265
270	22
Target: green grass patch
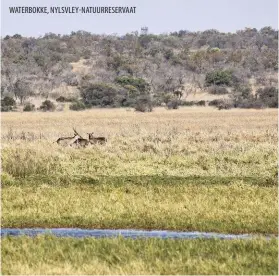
235	207
52	255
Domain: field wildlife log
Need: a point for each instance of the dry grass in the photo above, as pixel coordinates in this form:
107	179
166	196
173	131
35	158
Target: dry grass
187	142
195	168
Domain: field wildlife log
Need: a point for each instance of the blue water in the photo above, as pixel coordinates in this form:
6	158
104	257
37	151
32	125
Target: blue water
81	233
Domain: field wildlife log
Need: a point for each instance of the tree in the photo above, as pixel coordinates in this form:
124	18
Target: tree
47	105
242	94
98	94
268	95
22	90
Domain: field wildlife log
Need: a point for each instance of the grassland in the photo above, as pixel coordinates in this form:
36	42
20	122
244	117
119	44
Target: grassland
237	208
50	255
189	169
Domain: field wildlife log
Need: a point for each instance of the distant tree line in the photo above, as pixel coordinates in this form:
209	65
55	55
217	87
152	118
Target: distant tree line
141	71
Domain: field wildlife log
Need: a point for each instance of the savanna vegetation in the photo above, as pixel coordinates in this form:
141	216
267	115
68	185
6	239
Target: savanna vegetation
142	70
178	168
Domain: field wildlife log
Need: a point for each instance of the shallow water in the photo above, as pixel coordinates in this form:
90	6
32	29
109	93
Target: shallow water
96	233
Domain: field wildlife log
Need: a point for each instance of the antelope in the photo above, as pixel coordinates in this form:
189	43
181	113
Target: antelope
80	141
96	140
67	141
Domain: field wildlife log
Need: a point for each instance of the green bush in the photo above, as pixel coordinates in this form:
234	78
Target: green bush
201	103
139	83
29	107
77	106
219	77
7	104
215	102
8	101
47	105
99	94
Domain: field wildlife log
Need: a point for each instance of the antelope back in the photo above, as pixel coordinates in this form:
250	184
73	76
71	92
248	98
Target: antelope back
82	142
95	140
65	141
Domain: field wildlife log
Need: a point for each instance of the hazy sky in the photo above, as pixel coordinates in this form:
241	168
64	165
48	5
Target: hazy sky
159	16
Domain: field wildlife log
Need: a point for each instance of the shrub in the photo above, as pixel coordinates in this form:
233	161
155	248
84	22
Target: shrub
219	77
201	103
215	102
186	103
251	103
221	104
98	94
143	104
63	99
224	104
8	101
268	96
243	97
218	90
47	105
6	108
29	107
77	106
168	54
173	104
139	83
7	104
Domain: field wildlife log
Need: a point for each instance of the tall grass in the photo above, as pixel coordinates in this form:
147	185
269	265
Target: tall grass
152	203
196	169
50	255
196	143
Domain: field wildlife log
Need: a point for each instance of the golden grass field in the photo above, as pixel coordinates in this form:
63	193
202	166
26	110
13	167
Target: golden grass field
192	169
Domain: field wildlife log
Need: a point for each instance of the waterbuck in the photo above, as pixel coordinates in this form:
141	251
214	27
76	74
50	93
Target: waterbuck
67	141
81	142
96	140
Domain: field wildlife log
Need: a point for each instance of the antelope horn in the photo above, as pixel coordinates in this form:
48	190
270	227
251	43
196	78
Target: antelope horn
76	133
